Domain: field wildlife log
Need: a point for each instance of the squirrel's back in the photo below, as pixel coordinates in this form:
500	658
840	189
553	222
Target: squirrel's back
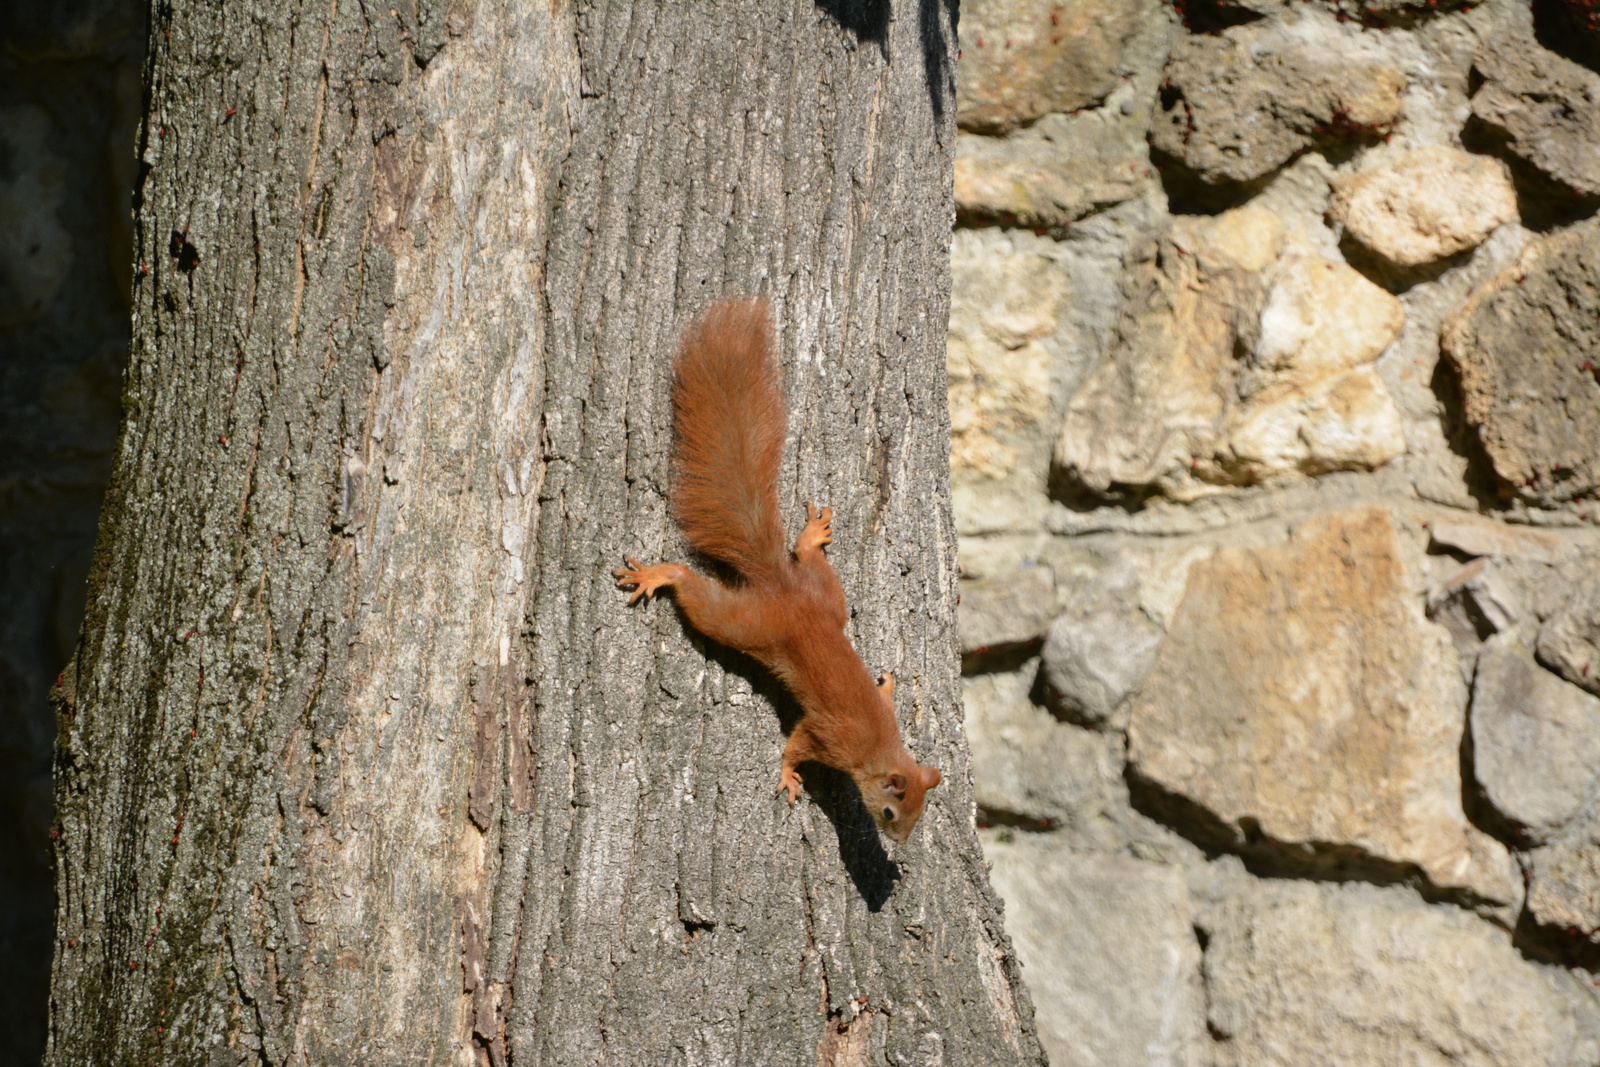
728	430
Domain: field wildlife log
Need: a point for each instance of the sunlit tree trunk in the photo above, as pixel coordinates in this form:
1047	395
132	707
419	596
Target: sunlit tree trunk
363	758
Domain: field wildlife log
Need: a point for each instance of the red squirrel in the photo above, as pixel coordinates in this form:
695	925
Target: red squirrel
786	611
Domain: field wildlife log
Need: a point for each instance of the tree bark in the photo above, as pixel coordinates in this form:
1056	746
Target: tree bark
363	757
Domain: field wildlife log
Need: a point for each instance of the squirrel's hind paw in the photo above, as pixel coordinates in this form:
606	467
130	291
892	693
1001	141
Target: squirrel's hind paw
818	531
790	782
648	579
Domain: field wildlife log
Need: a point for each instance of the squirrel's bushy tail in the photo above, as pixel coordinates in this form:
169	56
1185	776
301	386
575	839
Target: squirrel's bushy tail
728	427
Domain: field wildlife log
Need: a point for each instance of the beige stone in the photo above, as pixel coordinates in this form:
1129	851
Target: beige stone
1495	539
1302	973
1426	205
1347	422
1301	692
1003	306
1172	408
1322	318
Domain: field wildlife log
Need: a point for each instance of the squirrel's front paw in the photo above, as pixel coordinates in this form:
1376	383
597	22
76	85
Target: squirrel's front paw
647	579
790	781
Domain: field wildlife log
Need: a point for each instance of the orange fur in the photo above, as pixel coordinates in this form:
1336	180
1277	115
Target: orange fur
788	612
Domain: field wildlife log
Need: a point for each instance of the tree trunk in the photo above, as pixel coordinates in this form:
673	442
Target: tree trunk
363	756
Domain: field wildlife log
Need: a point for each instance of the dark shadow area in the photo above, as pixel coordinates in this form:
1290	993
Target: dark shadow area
1463	439
1012	820
1479	811
1000	658
939	53
1555	945
1265	857
1064	489
860	844
1543	203
71	93
867	20
1569	28
1212	16
1394	277
1190	194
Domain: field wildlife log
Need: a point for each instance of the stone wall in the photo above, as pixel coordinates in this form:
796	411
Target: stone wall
1275	388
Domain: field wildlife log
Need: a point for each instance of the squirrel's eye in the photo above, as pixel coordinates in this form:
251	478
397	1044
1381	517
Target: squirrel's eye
888	815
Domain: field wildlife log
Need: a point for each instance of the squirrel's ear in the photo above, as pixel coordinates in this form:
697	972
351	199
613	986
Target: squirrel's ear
896	783
930	777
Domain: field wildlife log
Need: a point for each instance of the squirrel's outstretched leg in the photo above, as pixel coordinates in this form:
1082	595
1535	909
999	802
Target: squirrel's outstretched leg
796	752
733	616
808	551
818	532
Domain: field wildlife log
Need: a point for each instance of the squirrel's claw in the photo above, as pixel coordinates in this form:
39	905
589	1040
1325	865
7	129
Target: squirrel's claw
790	781
636	574
819	528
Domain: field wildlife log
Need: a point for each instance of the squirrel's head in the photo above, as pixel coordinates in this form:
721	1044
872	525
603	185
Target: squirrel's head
895	799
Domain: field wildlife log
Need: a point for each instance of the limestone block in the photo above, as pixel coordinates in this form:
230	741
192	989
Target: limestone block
1092	662
1564	879
1053	173
1543	107
1027	764
1355	975
1426	205
1347	422
1301	694
1109	954
1173	410
1535	740
1527	348
1005	302
1006	609
1569	641
1239	104
1159	397
1322	318
1021	59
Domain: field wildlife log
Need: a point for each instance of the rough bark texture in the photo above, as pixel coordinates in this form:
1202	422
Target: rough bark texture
362	757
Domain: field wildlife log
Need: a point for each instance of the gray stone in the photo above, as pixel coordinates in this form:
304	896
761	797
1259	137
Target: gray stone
1544	107
1300	696
1527	347
1006	609
1030	769
1357	976
1109	954
1239	104
1569	641
1535	740
1472	605
1092	662
1054	172
1564	879
1022	59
